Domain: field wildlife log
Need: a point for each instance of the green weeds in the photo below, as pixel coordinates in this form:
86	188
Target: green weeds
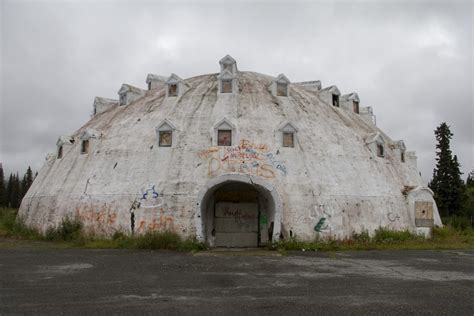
457	233
447	237
70	232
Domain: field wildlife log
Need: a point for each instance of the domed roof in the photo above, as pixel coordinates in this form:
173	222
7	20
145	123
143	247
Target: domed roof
319	159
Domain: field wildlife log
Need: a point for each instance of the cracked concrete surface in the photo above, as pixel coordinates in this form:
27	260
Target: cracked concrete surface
54	281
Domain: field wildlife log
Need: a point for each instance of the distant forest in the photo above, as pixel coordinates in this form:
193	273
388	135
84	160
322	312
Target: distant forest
13	189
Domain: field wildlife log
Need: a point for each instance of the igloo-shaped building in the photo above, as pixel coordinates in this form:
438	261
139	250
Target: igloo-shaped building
234	159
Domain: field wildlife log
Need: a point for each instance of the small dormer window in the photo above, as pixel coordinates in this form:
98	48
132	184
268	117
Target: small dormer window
282	89
287	132
226	86
335	100
173	90
380	150
123	99
225	133
149	85
60	152
288	139
165	138
355	106
402	156
228	66
164	132
224	137
85	146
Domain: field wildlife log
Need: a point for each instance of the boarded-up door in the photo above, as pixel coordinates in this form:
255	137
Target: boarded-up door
236	224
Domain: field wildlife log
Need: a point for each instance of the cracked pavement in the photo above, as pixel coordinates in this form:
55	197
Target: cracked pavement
42	280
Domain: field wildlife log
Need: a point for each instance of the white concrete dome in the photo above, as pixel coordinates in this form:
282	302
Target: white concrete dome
234	159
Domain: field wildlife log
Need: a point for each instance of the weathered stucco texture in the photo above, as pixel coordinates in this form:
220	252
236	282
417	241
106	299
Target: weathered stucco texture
331	183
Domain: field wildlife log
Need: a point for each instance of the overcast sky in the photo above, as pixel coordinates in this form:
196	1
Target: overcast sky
411	61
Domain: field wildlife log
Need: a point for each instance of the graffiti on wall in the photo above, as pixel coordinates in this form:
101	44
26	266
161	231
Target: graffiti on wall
323	216
392	217
150	198
240	216
248	158
321	225
162	221
102	217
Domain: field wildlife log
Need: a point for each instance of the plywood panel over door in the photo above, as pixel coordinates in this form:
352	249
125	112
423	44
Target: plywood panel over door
236	224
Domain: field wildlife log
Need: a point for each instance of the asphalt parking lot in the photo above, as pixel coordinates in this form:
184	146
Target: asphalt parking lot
42	280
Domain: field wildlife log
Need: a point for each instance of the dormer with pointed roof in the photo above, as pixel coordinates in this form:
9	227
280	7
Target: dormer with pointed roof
175	86
128	94
103	104
399	149
155	81
287	134
376	144
88	139
280	85
61	144
350	102
228	63
330	95
225	133
227	83
367	114
165	132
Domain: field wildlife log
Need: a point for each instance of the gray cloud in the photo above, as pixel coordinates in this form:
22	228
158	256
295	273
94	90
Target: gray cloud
411	61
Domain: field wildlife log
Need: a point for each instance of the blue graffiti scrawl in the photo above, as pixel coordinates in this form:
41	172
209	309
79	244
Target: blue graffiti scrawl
151	198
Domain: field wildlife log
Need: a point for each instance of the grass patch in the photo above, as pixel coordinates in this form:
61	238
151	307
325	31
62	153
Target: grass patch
447	237
68	230
13	228
70	233
456	234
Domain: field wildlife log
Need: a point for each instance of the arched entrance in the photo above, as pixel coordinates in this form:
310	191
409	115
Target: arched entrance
237	210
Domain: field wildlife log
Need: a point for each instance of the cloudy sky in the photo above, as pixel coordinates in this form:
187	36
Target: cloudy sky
411	61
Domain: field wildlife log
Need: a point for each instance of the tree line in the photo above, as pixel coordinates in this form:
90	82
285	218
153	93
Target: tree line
13	189
453	196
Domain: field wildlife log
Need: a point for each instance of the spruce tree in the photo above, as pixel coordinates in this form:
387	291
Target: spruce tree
446	184
2	187
26	182
16	192
8	193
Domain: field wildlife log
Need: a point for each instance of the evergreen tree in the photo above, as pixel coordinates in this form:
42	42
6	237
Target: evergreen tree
26	182
446	184
8	195
470	179
2	187
16	192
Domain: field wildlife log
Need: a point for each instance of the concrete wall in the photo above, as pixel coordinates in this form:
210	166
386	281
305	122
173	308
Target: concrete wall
330	177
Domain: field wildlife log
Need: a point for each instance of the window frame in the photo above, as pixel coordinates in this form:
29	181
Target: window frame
175	94
283	144
380	150
335	100
160	137
218	137
226	81
355	106
85	146
123	99
279	92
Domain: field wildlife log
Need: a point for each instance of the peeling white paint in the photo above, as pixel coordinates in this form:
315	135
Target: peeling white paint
331	172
